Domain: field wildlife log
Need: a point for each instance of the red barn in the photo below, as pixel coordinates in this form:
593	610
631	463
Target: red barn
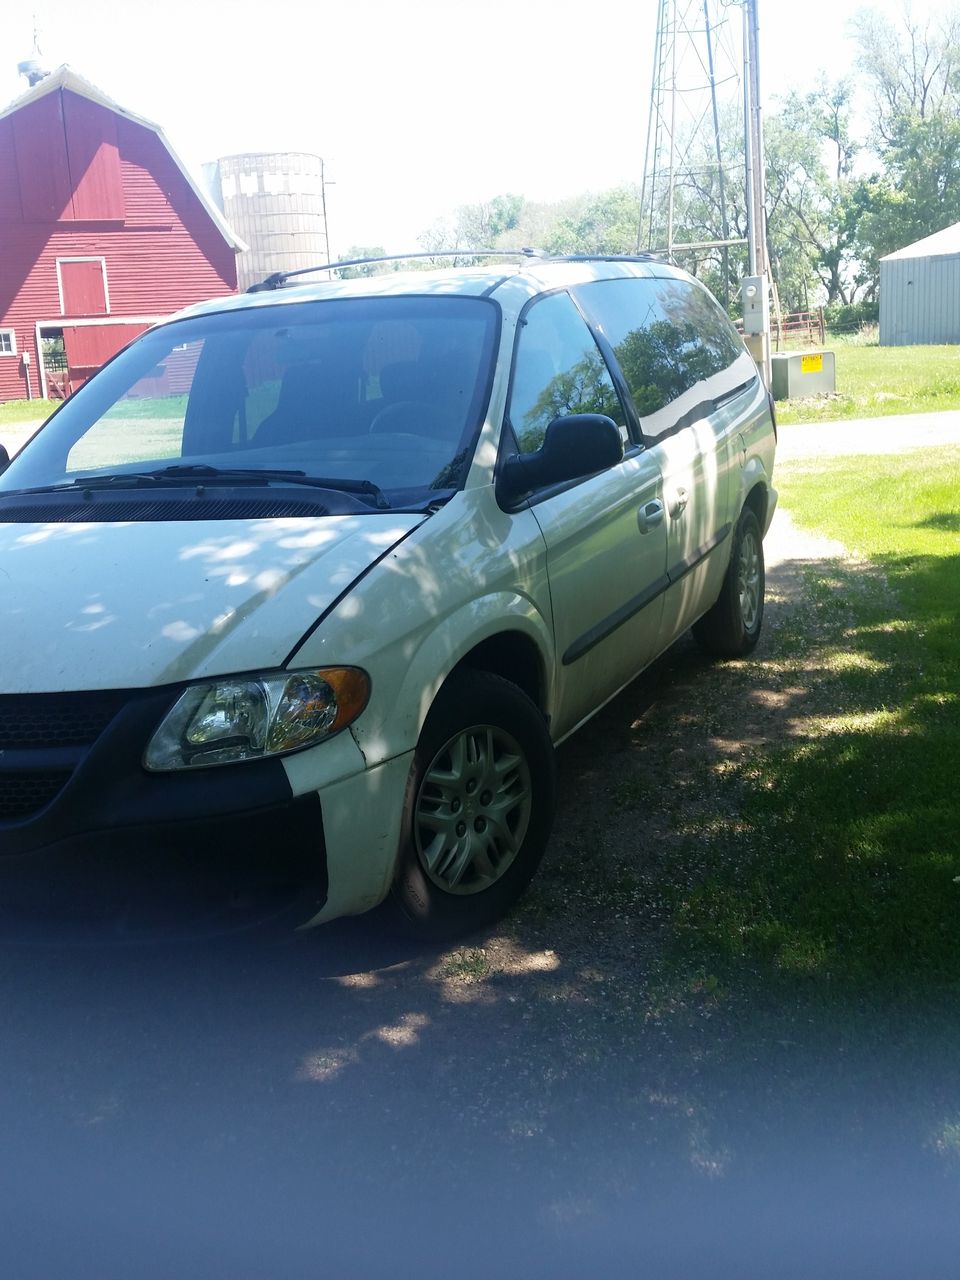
102	232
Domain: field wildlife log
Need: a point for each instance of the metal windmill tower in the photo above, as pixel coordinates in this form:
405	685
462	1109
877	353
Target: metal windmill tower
705	77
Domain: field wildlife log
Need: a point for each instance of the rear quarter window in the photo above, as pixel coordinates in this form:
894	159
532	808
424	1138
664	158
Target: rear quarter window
677	350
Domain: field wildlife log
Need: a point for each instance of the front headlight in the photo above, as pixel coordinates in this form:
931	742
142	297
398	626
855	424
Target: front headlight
249	717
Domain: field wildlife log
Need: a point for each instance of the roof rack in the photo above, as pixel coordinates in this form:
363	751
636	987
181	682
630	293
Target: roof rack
279	278
606	257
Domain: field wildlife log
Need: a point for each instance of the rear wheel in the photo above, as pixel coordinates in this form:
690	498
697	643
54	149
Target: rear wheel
731	628
479	807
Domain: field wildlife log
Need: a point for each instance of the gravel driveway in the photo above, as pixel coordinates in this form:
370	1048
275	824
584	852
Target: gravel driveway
537	1103
14	436
868	435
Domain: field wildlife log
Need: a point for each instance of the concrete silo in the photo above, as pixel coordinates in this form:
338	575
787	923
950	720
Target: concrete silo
276	203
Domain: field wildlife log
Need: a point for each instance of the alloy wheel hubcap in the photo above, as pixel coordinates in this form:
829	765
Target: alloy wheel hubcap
748	581
473	810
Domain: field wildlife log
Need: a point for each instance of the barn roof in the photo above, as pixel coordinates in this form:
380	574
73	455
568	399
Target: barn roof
941	244
66	78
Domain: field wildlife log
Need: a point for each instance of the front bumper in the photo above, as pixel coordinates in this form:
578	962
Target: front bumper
134	853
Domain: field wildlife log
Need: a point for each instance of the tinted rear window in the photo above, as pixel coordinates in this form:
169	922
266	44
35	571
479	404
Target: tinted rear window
669	338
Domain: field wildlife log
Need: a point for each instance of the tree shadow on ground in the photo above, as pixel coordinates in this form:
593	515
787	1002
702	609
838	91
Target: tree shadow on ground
674	1059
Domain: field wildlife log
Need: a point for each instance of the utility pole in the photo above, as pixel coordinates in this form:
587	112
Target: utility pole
755	290
721	183
324	183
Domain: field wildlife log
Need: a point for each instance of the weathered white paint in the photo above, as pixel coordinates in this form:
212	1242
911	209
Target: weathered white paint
136	605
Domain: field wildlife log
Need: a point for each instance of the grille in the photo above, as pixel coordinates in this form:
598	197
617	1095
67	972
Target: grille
149	510
22	794
55	719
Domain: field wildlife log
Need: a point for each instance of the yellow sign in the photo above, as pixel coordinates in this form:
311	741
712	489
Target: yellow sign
811	364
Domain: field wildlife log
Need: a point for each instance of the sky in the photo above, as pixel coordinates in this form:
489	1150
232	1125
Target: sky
417	106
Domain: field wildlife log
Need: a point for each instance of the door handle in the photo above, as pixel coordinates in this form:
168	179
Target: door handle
650	515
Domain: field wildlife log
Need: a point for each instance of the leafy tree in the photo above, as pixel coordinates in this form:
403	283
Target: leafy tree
914	74
363	251
913	71
475	226
918	195
605	223
812	209
505	214
584	388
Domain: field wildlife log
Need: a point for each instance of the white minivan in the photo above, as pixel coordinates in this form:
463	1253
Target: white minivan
299	592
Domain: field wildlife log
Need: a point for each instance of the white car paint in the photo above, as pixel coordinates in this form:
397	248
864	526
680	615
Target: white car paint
129	606
404	596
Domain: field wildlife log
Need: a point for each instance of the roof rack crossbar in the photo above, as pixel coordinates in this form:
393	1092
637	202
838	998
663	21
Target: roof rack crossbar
279	278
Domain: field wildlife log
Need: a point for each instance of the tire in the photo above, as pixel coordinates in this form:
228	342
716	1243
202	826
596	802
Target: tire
731	628
478	809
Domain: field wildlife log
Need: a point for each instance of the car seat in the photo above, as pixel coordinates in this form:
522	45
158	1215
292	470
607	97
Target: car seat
316	402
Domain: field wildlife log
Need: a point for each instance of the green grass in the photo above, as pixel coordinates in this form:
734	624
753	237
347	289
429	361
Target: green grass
469	964
261	402
874	381
14	411
151	407
846	878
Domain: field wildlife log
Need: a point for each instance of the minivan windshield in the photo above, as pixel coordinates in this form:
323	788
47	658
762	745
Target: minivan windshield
384	393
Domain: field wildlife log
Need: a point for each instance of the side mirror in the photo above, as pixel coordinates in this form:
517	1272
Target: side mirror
576	446
4	459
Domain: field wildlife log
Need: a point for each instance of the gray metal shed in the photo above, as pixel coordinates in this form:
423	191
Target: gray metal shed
920	291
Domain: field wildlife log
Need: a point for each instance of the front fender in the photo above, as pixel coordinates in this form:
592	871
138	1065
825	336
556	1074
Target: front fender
472	572
391	726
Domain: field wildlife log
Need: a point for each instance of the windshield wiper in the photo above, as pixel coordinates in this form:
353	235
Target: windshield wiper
200	470
251	475
199	473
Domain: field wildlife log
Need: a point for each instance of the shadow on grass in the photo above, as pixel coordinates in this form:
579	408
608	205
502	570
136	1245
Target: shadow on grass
821	936
948	521
724	1018
851	831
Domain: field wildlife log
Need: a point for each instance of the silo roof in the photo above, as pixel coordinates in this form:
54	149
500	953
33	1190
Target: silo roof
941	244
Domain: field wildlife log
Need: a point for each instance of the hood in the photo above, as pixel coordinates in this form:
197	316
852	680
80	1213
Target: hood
127	606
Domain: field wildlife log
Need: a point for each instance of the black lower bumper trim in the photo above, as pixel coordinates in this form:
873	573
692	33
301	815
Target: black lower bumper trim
192	877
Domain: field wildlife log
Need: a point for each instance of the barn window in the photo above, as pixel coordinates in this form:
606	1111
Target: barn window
8	342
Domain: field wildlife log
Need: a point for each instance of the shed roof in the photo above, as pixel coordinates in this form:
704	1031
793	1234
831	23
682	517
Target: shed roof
66	78
941	244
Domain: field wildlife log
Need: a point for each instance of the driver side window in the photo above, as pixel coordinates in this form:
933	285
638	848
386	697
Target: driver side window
559	370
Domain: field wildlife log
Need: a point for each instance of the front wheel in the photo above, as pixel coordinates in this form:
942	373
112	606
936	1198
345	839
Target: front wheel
731	628
478	809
